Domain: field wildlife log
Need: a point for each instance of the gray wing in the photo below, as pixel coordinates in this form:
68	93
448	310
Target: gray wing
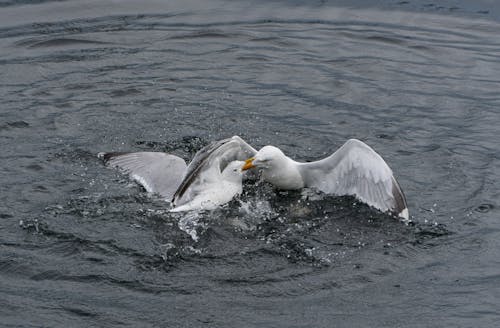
208	163
356	169
157	172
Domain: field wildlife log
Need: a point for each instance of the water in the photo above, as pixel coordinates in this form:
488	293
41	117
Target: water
83	246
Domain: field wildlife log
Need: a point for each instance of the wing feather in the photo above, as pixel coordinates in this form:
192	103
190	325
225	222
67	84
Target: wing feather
356	169
157	172
208	163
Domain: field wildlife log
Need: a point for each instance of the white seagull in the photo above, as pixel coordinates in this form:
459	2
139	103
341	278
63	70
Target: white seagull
213	177
354	169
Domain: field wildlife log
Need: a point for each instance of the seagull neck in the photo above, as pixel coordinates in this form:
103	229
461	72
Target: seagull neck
285	175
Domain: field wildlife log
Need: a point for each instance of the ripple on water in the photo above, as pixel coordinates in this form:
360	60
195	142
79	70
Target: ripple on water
77	238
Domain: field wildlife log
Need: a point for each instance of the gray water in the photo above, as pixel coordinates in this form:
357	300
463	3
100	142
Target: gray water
81	245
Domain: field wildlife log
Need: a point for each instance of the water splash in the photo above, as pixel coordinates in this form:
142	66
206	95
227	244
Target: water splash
189	222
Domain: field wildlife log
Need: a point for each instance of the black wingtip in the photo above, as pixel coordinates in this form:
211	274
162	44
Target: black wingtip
400	207
106	157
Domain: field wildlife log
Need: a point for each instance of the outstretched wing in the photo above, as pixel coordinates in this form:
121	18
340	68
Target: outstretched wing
207	165
157	172
356	169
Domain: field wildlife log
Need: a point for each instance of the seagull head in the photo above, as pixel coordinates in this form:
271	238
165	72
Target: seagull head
276	168
233	171
268	157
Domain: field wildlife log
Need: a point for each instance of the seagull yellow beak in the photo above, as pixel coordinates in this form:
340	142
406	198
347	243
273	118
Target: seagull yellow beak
248	164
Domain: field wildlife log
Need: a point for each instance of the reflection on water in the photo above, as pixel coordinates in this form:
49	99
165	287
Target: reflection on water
82	244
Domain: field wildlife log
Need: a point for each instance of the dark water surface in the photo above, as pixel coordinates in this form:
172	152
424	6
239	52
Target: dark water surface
82	246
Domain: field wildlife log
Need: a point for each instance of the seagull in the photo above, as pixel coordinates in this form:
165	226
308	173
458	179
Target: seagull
214	188
354	169
212	178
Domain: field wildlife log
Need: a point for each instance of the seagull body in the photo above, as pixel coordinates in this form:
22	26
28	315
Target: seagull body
354	169
218	191
213	177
